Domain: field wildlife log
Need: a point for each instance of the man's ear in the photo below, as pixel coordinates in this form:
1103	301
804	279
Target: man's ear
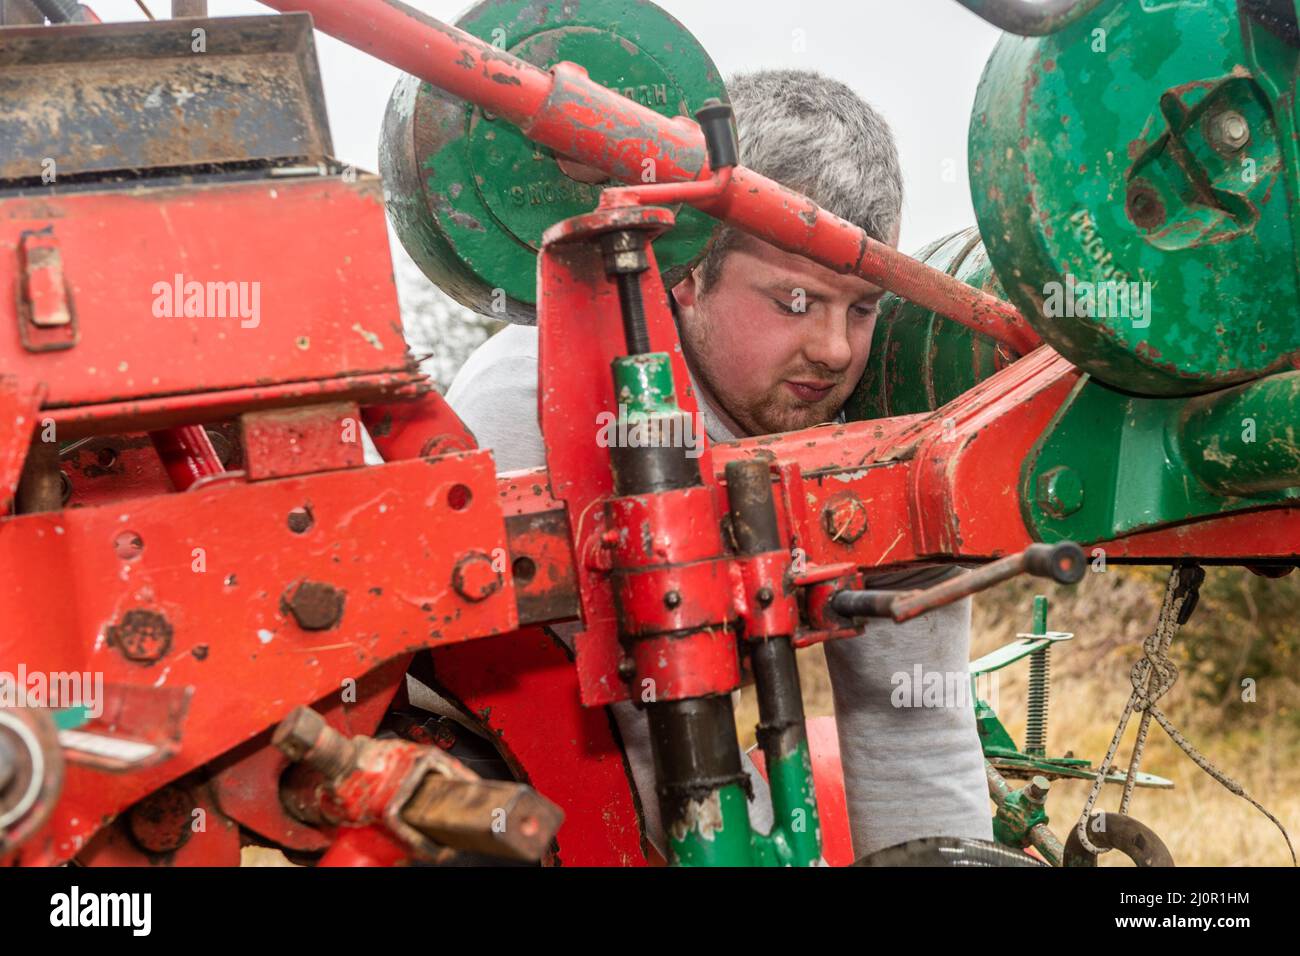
685	294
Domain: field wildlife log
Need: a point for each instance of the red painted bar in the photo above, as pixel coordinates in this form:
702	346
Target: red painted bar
577	117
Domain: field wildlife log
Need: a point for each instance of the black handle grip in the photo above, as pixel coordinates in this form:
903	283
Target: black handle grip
1064	563
714	118
863	603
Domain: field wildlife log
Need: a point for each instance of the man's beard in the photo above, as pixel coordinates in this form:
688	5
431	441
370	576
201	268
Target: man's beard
779	412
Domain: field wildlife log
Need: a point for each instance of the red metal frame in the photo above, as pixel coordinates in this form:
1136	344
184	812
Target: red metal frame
219	610
122	251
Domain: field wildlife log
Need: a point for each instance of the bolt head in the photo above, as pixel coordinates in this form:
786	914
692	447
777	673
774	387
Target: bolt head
1229	130
298	733
314	605
300	520
845	517
1060	491
1039	787
1144	206
474	578
160	823
142	635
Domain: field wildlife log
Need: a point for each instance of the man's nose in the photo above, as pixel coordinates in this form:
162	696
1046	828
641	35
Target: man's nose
828	341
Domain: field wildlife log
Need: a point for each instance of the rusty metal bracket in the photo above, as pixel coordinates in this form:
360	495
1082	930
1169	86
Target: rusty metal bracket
47	321
280	443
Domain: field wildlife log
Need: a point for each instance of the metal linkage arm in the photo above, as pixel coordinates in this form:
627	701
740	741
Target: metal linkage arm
1063	563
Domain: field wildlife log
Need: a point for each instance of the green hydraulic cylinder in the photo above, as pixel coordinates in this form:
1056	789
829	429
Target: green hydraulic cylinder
795	839
701	784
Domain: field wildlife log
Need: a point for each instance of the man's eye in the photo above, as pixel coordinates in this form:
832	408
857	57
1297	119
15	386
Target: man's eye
865	311
786	307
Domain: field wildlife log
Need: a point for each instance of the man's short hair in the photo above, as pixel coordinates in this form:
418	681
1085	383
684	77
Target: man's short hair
814	135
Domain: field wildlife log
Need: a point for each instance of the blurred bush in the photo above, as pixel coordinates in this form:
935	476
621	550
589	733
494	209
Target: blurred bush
1244	641
440	331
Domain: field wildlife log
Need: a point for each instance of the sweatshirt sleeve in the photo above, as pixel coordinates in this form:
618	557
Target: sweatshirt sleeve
495	395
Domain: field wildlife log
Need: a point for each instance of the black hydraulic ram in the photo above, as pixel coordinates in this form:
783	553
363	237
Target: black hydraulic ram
781	731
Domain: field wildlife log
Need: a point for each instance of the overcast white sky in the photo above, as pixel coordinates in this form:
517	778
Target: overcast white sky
917	61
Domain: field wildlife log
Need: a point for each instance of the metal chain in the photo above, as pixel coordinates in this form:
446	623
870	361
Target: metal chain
1152	677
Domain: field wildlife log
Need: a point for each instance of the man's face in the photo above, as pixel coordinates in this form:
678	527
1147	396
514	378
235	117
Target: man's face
778	341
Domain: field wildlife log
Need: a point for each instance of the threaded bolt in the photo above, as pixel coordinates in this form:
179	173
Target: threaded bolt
626	259
304	736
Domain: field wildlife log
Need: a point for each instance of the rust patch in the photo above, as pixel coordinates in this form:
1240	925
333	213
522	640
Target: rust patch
142	636
314	605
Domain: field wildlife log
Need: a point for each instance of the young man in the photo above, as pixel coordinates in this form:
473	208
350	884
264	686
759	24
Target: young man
777	343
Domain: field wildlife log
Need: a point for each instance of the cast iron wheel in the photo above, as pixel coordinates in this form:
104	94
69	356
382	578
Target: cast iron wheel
1115	831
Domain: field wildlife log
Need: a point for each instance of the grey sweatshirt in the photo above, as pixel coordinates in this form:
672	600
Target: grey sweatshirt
909	771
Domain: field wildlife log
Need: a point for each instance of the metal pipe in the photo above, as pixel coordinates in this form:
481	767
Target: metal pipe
187	454
1031	18
586	122
782	733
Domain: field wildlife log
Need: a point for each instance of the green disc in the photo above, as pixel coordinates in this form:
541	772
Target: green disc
920	360
470	195
1135	177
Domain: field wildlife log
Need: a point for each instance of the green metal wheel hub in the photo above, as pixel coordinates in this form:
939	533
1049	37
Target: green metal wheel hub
1135	177
470	195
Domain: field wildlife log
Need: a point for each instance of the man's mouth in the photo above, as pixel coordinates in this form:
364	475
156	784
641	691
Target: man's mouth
810	391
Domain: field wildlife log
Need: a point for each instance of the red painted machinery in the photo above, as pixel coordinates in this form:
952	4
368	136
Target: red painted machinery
349	662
